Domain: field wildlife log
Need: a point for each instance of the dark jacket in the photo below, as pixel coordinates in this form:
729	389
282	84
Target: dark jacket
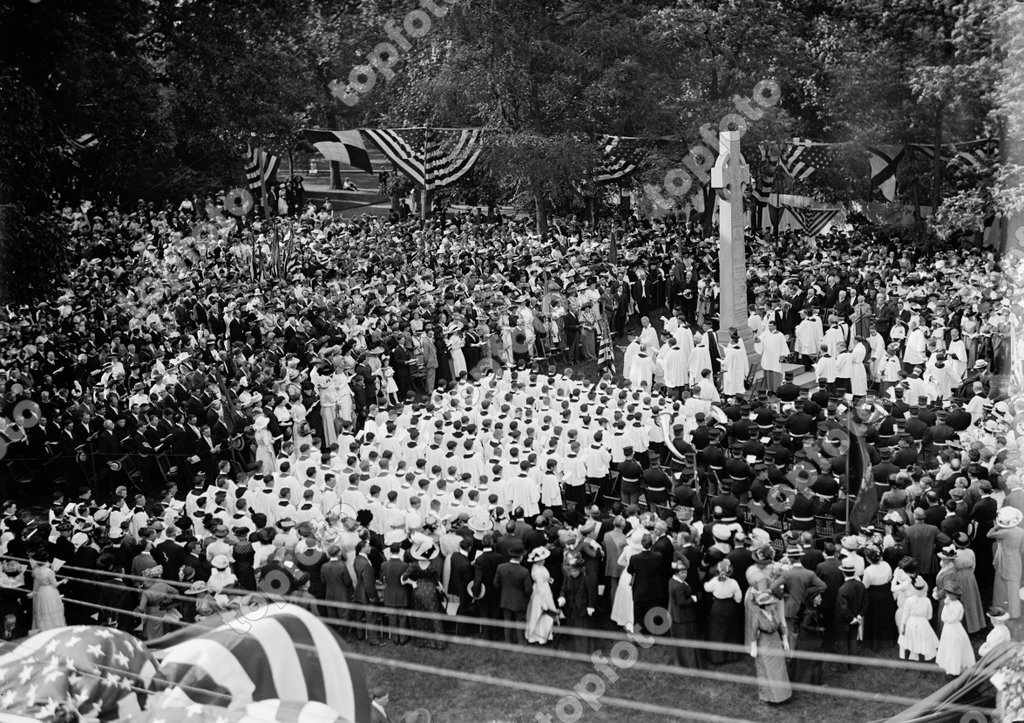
646	569
514	586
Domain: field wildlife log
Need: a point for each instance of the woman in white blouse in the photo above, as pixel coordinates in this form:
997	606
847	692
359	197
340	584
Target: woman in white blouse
879	606
724	620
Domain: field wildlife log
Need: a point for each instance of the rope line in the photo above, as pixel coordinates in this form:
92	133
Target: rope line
613	636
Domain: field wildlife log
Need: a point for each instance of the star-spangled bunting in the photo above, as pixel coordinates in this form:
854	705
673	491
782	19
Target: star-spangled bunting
770	156
75	668
814	220
802	158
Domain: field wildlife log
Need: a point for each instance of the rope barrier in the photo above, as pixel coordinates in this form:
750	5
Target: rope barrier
902	665
709	675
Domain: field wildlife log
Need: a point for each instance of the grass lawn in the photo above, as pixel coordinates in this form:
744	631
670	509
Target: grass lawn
457	701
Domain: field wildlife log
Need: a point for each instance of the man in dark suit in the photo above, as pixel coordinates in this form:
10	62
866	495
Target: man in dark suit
395	595
850	601
829	573
485	567
800	583
514	586
460	577
507	541
664	547
646	569
365	594
338	586
171	555
923	541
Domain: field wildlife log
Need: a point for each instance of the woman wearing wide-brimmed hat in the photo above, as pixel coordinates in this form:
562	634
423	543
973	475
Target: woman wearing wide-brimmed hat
955	653
541	611
1009	537
769	647
427	593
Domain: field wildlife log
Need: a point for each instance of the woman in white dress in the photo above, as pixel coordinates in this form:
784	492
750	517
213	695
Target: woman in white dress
541	610
955	653
455	344
264	444
622	605
917	639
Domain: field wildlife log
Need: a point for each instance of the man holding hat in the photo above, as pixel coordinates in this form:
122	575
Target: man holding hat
849	613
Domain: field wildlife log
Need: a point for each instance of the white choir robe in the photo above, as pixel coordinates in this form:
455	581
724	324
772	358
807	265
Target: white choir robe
877	344
832	338
707	391
956	358
685	338
943	379
649	339
735	368
917	346
858	373
676	365
825	368
629	357
700	360
773	348
641	371
809	337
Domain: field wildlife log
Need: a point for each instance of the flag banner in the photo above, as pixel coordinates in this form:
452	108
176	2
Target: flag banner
345	147
605	352
884	161
284	652
86	140
966	151
802	158
859	481
620	158
260	168
814	220
770	155
430	157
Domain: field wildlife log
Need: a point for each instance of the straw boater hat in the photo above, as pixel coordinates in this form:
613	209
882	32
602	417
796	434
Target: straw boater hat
1009	517
998	614
538	554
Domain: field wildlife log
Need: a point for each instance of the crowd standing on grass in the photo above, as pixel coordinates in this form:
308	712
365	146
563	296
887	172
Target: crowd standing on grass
424	418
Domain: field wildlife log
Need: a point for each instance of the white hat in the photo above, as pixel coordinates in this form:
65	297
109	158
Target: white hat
1009	517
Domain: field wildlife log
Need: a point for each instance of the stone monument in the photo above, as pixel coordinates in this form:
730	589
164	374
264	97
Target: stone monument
729	176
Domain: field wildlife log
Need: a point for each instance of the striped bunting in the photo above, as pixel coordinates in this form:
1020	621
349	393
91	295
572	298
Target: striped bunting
814	220
927	150
884	161
260	168
605	353
266	711
430	157
345	147
273	653
620	157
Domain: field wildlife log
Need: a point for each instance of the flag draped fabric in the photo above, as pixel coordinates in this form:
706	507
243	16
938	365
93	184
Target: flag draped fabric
430	157
86	140
884	161
859	480
278	652
814	220
345	147
103	673
802	158
260	169
270	664
977	154
766	179
620	157
605	353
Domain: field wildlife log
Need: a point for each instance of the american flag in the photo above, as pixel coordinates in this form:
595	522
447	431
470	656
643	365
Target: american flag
605	353
802	158
260	168
274	663
814	220
621	156
430	157
97	672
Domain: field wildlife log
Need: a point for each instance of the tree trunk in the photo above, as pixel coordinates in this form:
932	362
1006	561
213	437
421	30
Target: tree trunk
332	122
425	204
708	217
613	247
542	210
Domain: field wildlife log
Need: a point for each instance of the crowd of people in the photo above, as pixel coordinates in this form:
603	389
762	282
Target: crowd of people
404	419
